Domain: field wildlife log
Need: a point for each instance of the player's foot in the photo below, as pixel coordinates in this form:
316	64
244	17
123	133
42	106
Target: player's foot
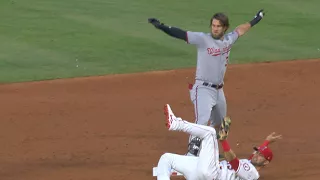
171	119
194	147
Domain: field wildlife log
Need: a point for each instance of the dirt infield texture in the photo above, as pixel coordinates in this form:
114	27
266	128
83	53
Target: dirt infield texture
105	128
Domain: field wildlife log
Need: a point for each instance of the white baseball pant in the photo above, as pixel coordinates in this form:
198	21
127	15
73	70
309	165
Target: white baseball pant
204	167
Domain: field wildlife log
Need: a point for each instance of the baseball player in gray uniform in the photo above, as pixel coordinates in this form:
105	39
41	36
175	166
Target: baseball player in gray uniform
213	50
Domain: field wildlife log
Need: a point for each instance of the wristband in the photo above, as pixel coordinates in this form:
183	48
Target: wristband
266	143
255	21
225	145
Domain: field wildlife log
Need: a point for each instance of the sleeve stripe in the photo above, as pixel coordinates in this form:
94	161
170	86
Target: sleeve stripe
235	164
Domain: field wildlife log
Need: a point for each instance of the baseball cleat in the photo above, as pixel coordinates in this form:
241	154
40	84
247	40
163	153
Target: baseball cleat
194	147
171	119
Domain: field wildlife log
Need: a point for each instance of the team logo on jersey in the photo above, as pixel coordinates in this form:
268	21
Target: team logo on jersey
246	167
216	52
213	52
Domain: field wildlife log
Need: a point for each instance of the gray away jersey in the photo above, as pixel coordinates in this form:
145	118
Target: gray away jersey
212	55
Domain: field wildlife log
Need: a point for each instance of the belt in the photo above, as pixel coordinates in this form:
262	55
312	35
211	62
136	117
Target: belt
213	85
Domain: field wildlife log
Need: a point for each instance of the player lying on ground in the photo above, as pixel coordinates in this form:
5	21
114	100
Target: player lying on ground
207	165
213	51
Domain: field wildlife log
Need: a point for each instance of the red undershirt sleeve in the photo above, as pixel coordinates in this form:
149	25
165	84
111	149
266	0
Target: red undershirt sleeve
235	163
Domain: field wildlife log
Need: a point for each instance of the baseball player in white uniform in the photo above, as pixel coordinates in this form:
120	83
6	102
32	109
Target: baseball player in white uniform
207	166
213	51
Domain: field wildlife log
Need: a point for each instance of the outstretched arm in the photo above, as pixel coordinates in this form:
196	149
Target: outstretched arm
172	31
269	139
244	28
230	156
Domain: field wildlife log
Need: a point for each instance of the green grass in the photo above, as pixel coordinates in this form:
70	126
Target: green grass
45	39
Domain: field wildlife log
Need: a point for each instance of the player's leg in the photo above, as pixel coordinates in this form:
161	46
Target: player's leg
203	99
219	111
185	165
208	163
177	124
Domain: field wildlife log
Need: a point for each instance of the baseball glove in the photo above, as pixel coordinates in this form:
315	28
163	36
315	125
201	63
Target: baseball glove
224	128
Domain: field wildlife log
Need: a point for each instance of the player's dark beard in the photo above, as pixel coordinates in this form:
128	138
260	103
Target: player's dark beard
217	36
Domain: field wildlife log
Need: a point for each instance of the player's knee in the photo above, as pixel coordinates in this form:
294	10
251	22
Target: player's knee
164	166
164	161
211	132
165	157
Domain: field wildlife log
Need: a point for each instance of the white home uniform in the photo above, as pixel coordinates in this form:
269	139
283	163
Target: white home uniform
245	171
206	166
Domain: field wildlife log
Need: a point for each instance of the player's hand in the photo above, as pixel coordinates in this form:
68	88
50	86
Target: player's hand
273	137
260	13
226	123
154	22
224	128
222	134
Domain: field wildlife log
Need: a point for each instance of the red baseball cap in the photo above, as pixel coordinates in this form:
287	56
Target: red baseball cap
265	151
